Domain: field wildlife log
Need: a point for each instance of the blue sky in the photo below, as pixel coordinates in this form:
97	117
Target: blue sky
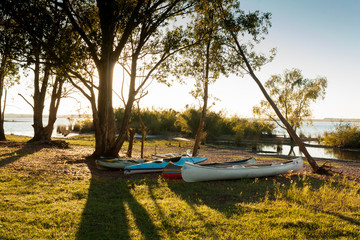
320	37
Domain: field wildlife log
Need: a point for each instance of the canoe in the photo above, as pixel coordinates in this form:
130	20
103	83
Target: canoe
159	164
117	162
172	171
169	155
196	173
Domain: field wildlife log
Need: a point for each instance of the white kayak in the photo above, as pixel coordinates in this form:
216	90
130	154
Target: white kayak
197	173
118	162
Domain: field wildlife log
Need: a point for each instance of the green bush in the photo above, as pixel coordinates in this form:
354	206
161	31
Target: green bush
188	122
344	136
156	121
163	122
251	130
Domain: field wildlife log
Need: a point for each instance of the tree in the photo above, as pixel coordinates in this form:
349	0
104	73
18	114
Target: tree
106	27
207	59
234	26
42	25
9	69
293	94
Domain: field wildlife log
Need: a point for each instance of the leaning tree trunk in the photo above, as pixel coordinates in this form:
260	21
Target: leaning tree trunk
291	131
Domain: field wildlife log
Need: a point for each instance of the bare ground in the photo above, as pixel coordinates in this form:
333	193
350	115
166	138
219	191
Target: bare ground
74	162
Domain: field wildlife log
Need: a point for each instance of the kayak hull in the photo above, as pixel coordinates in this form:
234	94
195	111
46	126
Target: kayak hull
118	162
172	171
159	164
196	173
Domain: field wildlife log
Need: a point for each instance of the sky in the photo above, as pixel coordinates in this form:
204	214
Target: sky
319	37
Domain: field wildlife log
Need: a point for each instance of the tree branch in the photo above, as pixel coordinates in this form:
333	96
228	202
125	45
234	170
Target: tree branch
26	100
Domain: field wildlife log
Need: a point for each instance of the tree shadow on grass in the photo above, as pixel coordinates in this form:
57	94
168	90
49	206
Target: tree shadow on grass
13	156
224	196
111	211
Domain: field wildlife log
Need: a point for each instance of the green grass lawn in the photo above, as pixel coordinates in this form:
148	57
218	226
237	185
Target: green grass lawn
43	205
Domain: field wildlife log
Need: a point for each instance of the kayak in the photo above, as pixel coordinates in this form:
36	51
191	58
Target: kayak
196	173
117	162
172	171
159	164
169	155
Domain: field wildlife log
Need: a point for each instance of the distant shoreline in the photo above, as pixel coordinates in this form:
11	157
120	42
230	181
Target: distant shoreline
15	115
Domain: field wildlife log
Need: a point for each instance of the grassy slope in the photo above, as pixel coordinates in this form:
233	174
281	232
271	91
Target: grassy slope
38	204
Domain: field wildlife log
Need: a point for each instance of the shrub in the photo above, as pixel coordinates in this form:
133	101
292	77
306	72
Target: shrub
345	135
188	122
84	126
156	121
251	130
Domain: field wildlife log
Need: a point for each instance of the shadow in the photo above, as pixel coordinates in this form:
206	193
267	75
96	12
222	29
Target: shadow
345	218
225	196
111	212
25	149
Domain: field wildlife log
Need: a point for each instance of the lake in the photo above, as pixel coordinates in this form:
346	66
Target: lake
23	127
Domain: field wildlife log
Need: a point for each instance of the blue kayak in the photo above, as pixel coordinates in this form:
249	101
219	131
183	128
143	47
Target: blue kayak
159	164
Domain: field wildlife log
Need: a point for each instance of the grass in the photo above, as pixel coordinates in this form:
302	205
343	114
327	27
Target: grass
42	204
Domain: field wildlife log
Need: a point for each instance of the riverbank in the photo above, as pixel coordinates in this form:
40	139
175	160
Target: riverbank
83	146
54	193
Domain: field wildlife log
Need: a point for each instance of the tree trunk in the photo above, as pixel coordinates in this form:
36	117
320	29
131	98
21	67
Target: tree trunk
105	134
2	110
143	133
205	99
39	99
128	108
54	106
291	131
131	141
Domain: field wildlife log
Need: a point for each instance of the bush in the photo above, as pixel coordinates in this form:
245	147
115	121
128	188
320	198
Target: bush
156	121
344	136
188	121
84	126
251	130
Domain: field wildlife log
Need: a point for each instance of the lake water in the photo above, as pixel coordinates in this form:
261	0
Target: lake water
23	127
318	128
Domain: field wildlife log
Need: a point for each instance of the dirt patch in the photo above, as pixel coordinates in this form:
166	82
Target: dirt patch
75	162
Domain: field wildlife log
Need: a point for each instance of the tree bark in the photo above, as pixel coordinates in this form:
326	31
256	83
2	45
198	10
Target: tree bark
131	141
128	108
143	133
39	98
291	131
105	134
205	99
2	110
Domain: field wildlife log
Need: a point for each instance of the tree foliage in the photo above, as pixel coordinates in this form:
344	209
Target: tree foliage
127	32
293	94
344	136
